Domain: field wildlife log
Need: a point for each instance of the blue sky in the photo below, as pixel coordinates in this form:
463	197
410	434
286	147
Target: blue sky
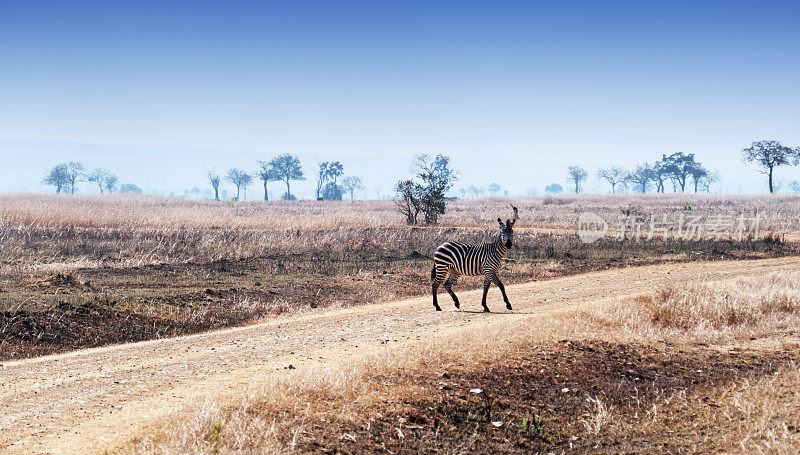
512	91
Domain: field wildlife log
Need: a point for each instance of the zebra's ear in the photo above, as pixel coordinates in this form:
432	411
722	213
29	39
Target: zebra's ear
500	221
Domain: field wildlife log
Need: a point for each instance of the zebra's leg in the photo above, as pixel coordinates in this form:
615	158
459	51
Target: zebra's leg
486	283
448	284
496	280
437	277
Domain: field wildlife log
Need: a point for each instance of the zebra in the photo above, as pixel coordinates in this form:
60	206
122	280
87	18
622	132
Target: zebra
453	259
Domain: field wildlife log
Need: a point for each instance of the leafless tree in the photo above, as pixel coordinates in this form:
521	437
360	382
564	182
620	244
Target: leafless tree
641	177
351	184
614	176
102	178
240	178
214	179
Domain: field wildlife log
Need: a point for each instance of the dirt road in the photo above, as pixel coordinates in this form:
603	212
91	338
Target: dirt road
87	401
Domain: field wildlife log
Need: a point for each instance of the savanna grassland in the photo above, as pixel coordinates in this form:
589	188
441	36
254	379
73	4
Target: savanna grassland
85	271
700	366
638	359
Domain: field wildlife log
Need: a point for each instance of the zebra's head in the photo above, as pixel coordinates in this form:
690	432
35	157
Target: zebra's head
507	232
507	229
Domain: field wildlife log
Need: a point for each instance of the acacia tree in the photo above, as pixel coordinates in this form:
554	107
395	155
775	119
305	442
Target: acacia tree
240	178
351	184
678	167
494	188
614	176
214	179
641	176
768	155
578	175
267	174
287	167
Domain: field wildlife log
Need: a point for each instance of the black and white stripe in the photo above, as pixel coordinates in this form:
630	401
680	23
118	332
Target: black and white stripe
453	259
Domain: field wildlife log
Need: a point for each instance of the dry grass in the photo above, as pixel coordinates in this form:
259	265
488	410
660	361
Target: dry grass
713	312
56	232
759	415
126	212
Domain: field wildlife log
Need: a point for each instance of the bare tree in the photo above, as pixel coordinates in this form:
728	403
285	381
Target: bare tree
408	201
351	184
578	175
707	179
322	177
240	178
287	167
267	174
214	179
641	177
110	183
102	178
614	176
768	155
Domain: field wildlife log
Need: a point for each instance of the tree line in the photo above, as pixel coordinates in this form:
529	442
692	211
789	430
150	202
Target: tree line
682	170
287	168
64	177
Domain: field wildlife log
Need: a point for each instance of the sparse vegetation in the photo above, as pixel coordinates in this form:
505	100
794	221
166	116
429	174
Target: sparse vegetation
80	271
587	384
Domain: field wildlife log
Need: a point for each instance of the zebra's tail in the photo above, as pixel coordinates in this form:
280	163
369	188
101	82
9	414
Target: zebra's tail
433	272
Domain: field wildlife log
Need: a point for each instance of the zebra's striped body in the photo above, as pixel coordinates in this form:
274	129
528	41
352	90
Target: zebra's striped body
453	259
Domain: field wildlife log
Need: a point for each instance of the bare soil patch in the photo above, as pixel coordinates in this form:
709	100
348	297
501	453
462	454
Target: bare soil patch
543	400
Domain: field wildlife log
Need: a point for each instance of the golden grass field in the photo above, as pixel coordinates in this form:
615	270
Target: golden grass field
91	271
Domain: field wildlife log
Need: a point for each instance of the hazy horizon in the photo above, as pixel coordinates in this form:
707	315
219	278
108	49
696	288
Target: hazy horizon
512	92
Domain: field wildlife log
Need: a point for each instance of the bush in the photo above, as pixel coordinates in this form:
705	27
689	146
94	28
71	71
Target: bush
130	188
427	197
332	192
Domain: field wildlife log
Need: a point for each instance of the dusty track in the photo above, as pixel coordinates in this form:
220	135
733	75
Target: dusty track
88	401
